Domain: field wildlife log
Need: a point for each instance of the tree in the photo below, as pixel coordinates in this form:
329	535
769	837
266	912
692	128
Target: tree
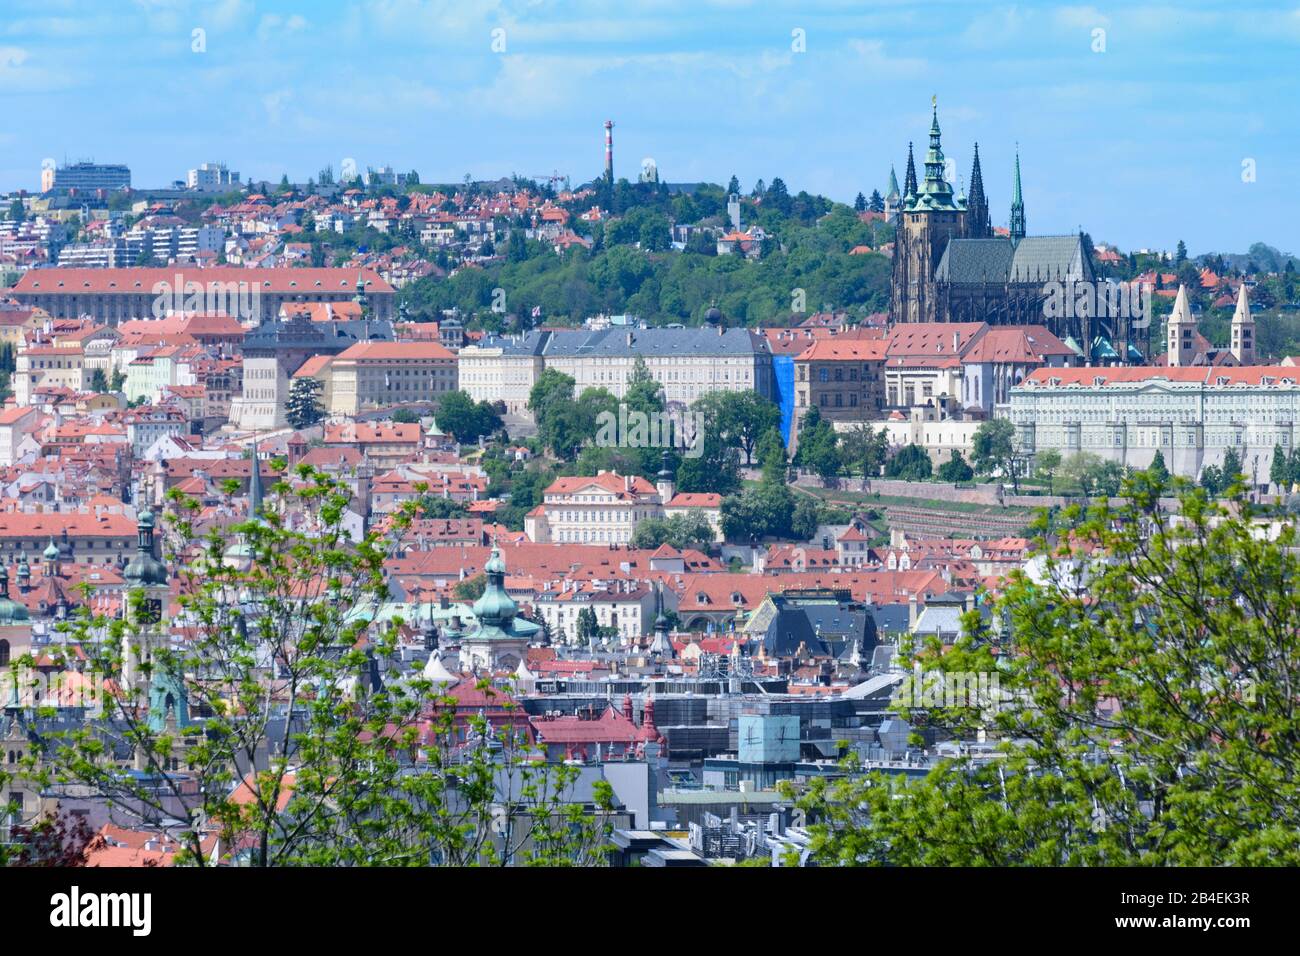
1232	466
1279	471
303	407
993	447
804	521
741	418
877	202
1157	470
98	381
777	196
1145	714
864	449
404	416
470	589
1049	461
955	469
818	446
771	457
1180	253
680	531
370	773
911	463
860	203
765	511
733	186
464	419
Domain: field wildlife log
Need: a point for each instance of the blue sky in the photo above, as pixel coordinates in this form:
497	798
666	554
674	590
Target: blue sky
1141	144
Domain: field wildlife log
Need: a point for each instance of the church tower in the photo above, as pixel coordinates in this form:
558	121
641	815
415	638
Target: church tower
977	205
1243	330
931	216
1181	332
893	199
1017	206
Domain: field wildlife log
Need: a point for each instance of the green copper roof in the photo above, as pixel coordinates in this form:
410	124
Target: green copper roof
144	569
934	192
11	612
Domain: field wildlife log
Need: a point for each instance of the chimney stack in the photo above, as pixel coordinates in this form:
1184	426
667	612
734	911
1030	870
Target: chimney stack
609	151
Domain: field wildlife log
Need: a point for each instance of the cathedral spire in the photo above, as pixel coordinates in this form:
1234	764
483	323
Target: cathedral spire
1017	204
977	205
909	178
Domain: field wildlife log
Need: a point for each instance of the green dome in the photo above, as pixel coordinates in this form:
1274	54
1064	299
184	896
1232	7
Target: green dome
144	570
495	608
51	551
11	612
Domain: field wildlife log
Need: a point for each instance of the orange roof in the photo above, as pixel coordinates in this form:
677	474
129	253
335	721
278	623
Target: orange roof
608	481
1219	376
141	281
395	351
839	349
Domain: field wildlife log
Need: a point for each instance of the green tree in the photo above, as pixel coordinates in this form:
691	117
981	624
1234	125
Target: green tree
464	419
1157	470
1279	471
804	521
680	531
303	407
864	449
993	447
955	469
471	588
911	463
1049	463
1174	741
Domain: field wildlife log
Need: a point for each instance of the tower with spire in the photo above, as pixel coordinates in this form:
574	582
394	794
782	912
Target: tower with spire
1243	330
893	199
1181	332
977	205
931	216
1017	205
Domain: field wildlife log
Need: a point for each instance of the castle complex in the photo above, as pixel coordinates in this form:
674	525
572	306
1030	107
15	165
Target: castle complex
951	266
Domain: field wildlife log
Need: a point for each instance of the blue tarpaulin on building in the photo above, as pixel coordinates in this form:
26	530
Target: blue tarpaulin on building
783	369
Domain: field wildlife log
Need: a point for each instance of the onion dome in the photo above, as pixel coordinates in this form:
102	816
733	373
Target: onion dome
11	612
144	570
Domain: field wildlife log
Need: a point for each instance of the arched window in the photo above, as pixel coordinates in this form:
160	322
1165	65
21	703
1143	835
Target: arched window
4	653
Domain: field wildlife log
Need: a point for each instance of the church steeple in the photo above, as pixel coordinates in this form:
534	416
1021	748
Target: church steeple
1243	330
977	206
909	178
1017	205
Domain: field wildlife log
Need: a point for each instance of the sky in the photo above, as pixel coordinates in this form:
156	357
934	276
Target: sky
1143	124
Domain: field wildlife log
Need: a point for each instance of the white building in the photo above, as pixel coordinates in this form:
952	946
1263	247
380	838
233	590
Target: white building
1191	414
607	508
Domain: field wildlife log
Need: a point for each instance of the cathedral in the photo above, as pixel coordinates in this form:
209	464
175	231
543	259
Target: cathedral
950	266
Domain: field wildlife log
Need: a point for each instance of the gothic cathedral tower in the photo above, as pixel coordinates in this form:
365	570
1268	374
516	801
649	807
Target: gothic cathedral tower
930	217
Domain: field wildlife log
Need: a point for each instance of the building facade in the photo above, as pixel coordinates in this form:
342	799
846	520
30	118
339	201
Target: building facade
378	374
1191	415
686	363
842	377
112	296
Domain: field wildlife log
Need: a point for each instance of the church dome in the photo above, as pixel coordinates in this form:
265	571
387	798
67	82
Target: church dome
144	570
11	612
495	607
713	316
